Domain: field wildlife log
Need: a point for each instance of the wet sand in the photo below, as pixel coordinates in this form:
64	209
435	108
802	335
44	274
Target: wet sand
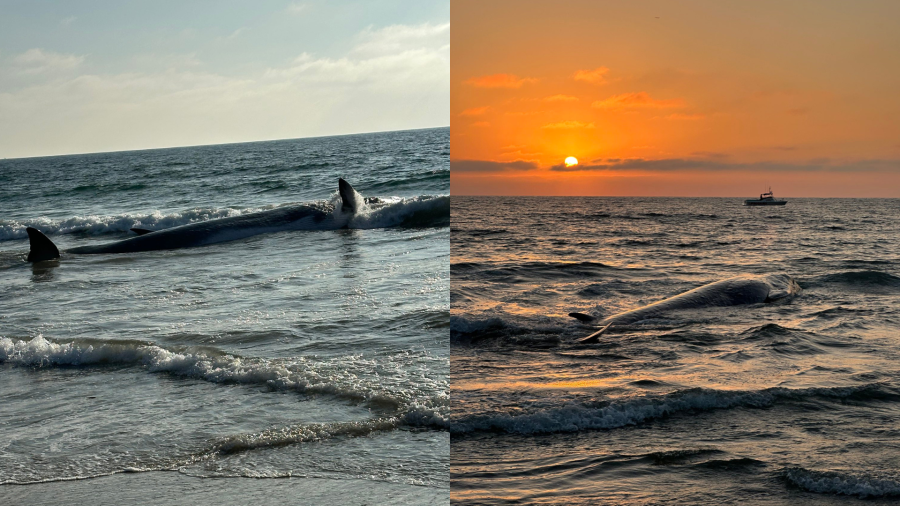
169	487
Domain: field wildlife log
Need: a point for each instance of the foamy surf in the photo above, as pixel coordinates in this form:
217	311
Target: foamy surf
347	377
421	211
121	223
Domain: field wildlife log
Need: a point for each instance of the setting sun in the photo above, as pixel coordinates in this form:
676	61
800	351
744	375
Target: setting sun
665	118
570	161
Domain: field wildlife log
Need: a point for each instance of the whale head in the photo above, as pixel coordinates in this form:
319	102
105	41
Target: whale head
349	198
781	287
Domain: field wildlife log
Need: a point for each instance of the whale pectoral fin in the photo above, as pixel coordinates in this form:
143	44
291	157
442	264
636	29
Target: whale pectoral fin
348	196
593	338
41	247
586	318
141	231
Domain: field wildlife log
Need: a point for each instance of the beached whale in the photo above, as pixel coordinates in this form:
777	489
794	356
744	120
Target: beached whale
744	289
300	216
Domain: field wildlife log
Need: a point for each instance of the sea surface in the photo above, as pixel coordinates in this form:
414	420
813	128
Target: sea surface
770	403
315	355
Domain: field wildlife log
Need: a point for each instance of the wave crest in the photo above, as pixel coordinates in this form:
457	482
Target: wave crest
100	225
421	211
574	417
832	482
344	377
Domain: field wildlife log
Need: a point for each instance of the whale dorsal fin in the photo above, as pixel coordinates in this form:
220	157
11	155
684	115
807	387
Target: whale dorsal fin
141	231
348	196
41	247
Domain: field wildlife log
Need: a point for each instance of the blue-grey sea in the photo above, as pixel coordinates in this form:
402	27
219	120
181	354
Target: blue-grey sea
201	374
778	403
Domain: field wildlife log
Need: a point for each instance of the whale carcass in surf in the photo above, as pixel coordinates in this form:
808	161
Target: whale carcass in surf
291	217
744	289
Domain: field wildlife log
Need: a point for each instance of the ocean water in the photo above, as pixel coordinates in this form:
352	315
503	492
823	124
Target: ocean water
795	402
315	355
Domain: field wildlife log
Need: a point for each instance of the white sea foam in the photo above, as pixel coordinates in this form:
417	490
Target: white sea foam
99	225
392	381
304	433
423	210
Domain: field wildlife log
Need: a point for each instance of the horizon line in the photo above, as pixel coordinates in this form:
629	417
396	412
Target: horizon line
221	143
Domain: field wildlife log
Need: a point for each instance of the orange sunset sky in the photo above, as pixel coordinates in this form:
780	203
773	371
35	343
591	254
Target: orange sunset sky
675	98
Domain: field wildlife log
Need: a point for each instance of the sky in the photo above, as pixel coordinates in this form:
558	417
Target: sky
96	76
688	98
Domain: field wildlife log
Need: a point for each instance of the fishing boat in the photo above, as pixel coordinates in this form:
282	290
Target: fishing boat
765	199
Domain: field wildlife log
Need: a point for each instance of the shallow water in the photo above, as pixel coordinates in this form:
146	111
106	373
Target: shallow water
780	403
301	353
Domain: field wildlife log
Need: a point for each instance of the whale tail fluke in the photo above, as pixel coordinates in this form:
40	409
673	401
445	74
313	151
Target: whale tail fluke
42	248
348	196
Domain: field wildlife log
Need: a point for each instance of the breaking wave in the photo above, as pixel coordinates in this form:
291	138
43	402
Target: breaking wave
346	377
100	225
421	211
574	417
284	436
832	482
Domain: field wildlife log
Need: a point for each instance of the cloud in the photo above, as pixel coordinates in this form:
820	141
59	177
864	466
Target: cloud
37	60
491	166
639	99
175	105
519	150
397	38
676	164
499	81
475	111
481	124
237	32
167	61
563	125
67	21
522	114
595	76
296	8
392	58
560	98
709	154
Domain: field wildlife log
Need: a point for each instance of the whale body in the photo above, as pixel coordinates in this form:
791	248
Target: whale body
739	290
291	217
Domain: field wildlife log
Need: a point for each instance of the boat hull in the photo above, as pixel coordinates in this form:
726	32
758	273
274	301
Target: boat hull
758	203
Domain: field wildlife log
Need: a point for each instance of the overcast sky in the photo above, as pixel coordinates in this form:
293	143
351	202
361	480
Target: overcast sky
93	76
